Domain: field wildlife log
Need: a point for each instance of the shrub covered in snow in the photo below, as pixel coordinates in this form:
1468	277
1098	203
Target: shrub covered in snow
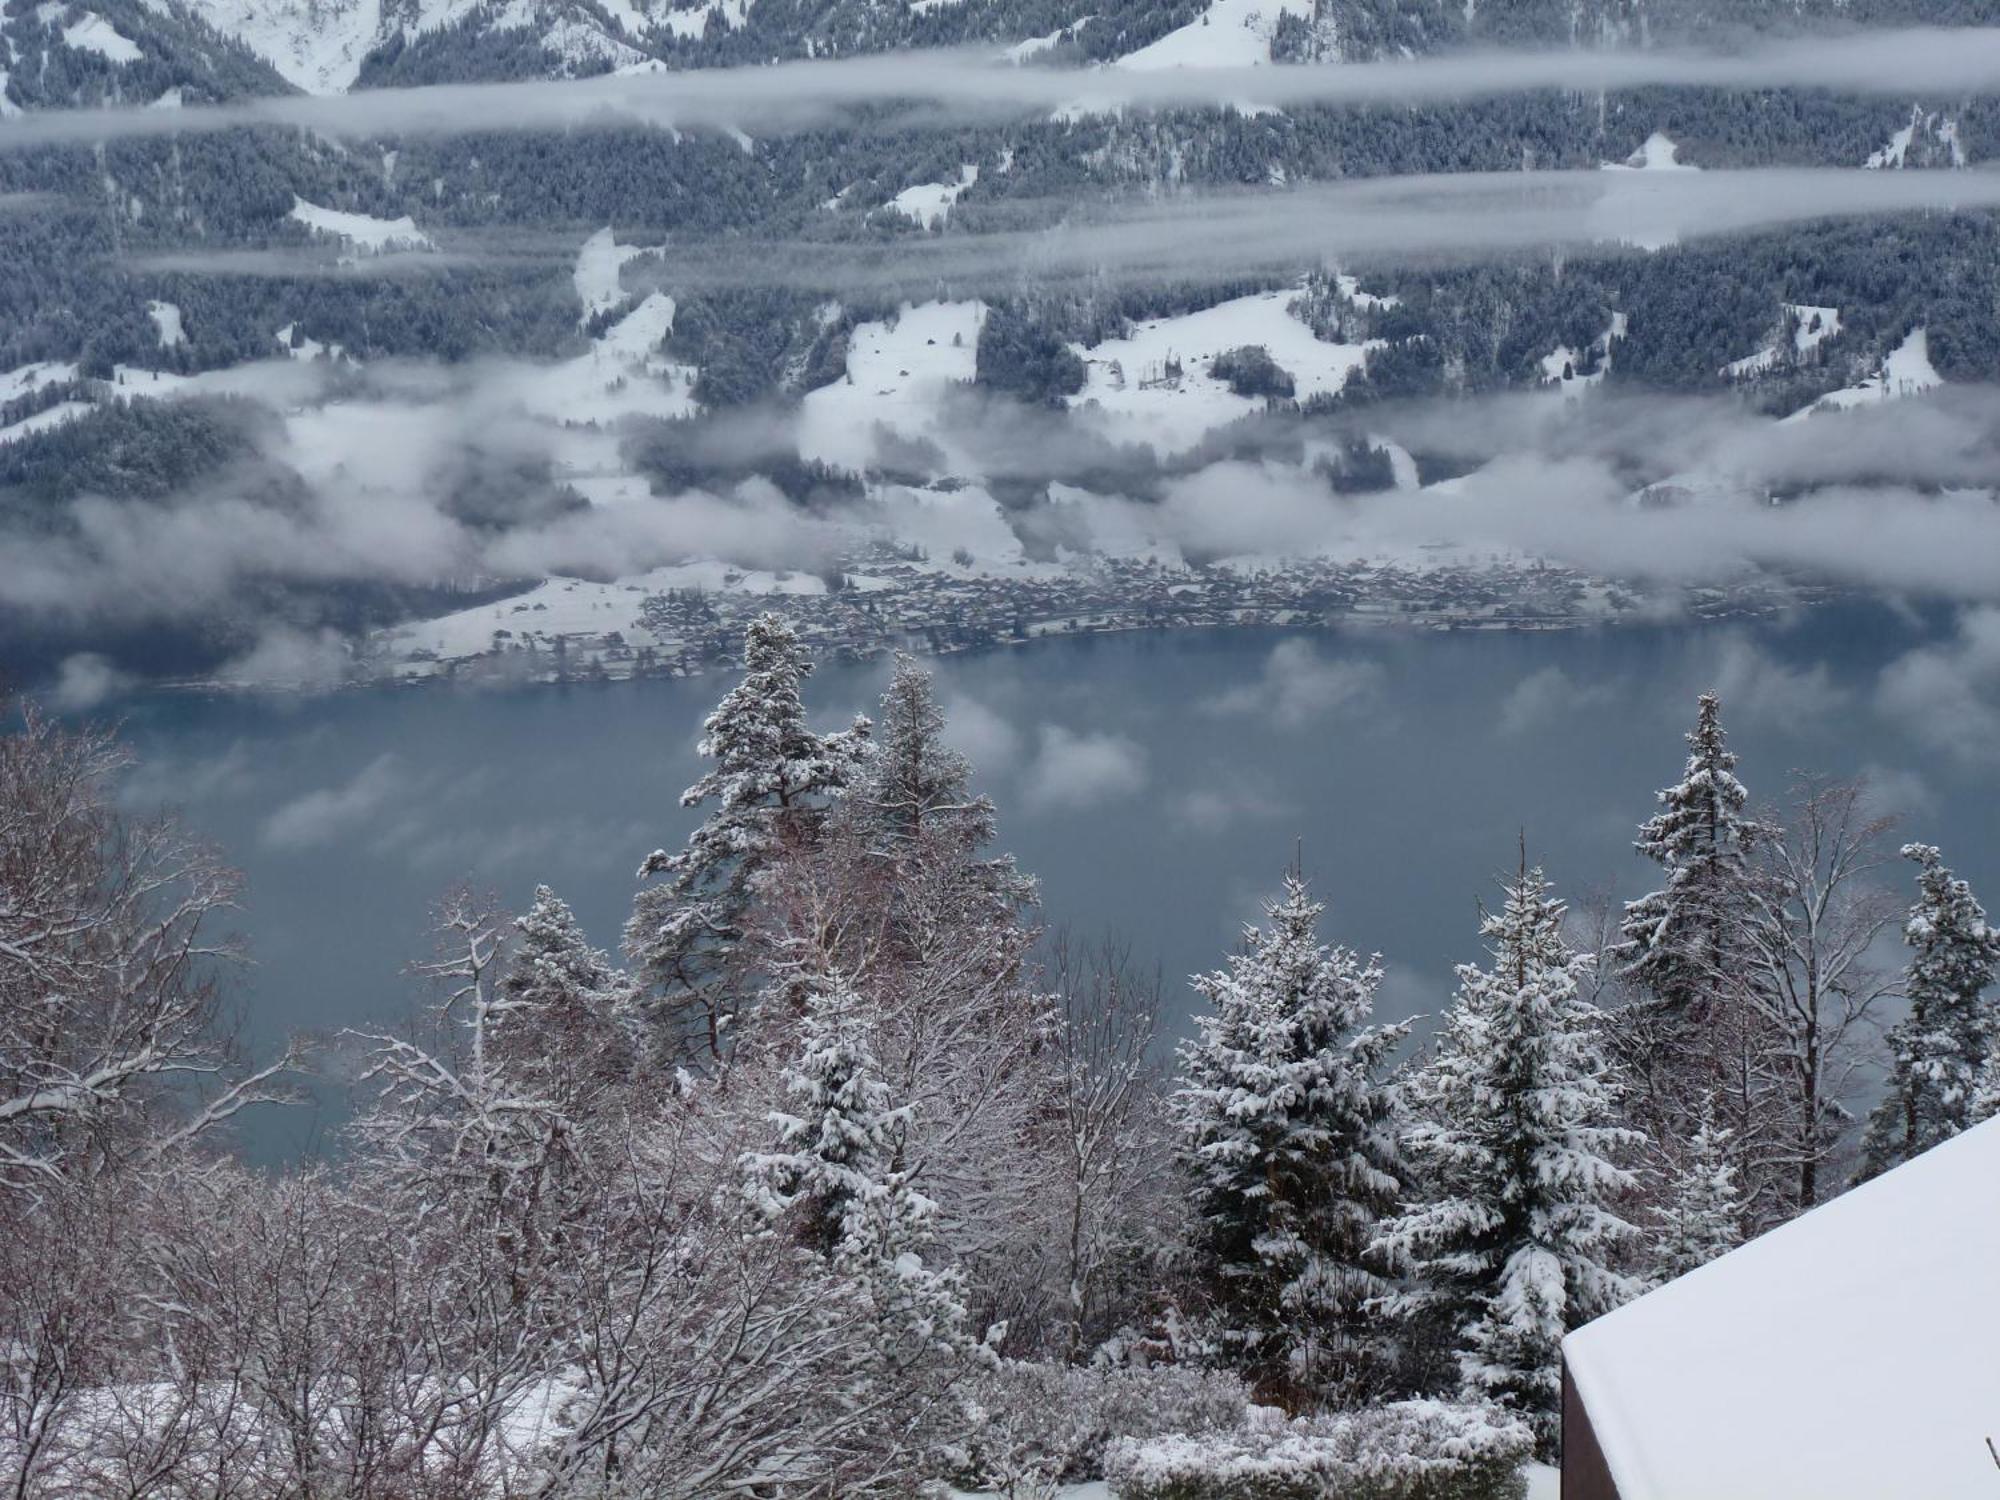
1250	371
1412	1450
1030	1424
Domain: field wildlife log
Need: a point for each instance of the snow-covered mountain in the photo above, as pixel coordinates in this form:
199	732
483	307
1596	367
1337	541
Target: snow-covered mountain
320	45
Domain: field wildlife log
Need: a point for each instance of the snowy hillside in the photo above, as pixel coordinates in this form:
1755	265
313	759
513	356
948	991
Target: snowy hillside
1158	383
320	45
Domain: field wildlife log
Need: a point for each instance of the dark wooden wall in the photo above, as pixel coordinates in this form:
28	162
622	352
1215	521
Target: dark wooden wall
1585	1475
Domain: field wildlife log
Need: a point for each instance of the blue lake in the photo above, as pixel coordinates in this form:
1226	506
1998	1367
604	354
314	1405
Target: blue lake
1157	783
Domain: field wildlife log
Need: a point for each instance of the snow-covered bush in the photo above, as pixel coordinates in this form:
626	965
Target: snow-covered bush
1412	1450
1027	1425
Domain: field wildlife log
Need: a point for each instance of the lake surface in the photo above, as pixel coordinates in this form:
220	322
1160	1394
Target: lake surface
1157	783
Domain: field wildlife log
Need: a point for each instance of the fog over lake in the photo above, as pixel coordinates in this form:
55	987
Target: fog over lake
1158	784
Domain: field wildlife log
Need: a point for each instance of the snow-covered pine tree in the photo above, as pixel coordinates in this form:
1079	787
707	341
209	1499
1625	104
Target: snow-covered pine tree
1515	1140
838	1175
1940	1047
769	786
1702	1216
1986	1095
566	1015
1678	939
915	780
914	796
1289	1135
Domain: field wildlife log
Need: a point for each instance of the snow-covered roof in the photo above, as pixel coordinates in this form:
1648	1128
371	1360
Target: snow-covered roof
1853	1354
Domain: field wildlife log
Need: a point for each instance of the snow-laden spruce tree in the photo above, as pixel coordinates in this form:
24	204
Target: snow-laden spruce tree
1939	1048
912	801
566	1014
1289	1136
1678	940
1702	1215
838	1176
769	786
915	781
1519	1239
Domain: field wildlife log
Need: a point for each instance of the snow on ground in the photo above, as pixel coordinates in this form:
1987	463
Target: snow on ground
1350	288
1230	33
1811	327
167	319
14	384
951	524
1907	371
1131	382
1897	151
623	374
89	32
316	45
171	99
898	374
9	110
582	45
690	24
597	266
1544	1482
305	350
1815	325
278	383
581	606
1658	154
930	203
44	421
1896	154
1846	1355
362	233
1035	46
1563	367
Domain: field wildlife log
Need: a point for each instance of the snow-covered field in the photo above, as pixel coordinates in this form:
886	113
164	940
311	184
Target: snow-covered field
1131	382
899	373
1907	371
44	421
598	266
360	232
167	319
1658	153
1229	34
1811	326
929	204
25	381
87	31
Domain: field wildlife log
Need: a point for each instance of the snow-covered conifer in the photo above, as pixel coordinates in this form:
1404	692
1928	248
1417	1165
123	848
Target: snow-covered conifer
1678	939
839	1174
1290	1137
1702	1216
769	785
914	779
1940	1047
564	1009
1516	1141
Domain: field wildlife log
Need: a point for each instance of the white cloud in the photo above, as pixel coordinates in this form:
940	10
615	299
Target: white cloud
972	84
1546	694
329	813
295	659
1214	809
87	680
1079	770
1754	684
981	733
1948	695
1299	686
